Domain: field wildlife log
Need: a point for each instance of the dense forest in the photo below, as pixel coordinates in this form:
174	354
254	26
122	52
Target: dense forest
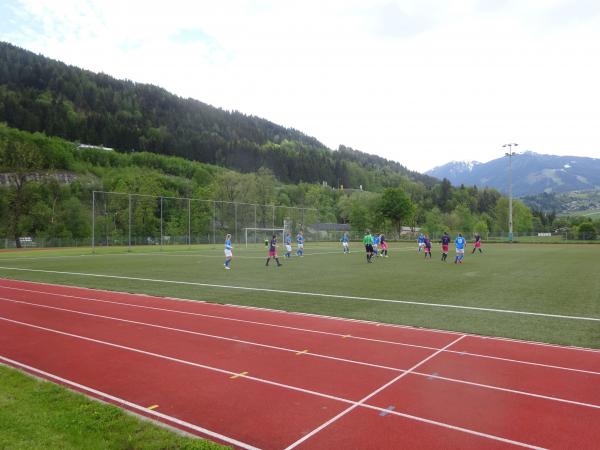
41	94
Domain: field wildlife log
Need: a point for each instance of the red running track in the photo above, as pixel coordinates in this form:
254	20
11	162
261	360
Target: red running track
256	378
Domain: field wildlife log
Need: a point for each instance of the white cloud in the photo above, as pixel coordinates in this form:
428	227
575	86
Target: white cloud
421	82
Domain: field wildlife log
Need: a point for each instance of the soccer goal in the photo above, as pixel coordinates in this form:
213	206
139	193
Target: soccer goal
254	235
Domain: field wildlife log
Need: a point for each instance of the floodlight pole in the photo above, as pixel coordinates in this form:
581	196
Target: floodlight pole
510	154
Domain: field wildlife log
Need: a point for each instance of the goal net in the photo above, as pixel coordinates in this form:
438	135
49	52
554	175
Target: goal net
257	235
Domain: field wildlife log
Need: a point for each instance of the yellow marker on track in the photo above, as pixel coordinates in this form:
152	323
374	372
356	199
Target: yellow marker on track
302	352
153	407
346	336
233	377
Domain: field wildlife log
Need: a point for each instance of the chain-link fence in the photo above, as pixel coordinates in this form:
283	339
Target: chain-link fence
124	219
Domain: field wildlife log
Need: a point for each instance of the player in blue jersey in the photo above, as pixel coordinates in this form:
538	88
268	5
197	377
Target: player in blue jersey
288	245
228	252
445	241
376	244
300	240
421	242
345	240
273	251
459	243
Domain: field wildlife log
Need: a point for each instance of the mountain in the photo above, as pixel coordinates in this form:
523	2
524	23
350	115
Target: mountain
454	170
41	94
532	173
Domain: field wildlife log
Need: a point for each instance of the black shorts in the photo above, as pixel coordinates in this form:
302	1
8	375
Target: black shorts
369	248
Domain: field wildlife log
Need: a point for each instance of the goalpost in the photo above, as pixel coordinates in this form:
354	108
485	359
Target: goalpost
269	231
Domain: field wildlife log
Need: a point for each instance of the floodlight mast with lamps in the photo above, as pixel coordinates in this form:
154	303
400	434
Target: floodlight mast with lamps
510	154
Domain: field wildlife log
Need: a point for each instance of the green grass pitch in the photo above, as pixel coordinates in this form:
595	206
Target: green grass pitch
550	280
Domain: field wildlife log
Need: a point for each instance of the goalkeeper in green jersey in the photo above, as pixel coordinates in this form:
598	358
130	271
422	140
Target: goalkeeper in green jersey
368	242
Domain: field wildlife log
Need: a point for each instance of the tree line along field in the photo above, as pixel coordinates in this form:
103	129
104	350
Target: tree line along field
548	280
47	183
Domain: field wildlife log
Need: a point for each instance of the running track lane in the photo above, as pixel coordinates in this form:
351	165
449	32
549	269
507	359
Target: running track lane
237	408
578	387
460	392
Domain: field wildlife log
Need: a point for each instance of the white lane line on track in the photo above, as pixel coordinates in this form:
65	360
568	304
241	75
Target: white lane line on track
516	361
317	355
273	383
134	406
309	294
377	391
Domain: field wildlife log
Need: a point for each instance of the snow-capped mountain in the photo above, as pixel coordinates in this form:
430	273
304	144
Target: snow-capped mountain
533	173
454	170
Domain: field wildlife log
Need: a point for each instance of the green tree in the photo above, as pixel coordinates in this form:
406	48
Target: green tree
522	217
433	223
587	231
360	219
21	160
395	205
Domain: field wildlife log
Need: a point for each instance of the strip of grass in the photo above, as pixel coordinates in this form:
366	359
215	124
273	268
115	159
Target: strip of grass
36	414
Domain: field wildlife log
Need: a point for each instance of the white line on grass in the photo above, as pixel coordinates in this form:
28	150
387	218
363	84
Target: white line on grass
134	406
308	294
317	355
377	391
273	383
177	253
306	330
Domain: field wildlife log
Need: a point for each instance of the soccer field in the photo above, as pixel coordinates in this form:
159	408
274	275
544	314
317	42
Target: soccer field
547	293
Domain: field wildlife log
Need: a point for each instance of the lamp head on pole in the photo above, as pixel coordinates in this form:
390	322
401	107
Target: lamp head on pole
510	146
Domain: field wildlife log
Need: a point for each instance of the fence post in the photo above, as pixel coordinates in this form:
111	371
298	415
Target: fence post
189	222
93	221
161	222
235	221
106	220
214	221
129	226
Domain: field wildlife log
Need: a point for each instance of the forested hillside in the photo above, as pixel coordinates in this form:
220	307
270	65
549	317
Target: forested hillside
41	94
46	186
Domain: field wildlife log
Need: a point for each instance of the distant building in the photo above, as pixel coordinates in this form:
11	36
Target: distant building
97	147
409	230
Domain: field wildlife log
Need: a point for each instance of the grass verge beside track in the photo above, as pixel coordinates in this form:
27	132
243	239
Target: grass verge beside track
36	414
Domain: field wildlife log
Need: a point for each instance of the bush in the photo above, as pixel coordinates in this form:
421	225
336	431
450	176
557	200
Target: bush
587	231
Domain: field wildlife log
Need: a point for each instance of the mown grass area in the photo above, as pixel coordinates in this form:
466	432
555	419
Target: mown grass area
547	279
35	414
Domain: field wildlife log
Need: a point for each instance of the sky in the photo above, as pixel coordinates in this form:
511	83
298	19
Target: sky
421	82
